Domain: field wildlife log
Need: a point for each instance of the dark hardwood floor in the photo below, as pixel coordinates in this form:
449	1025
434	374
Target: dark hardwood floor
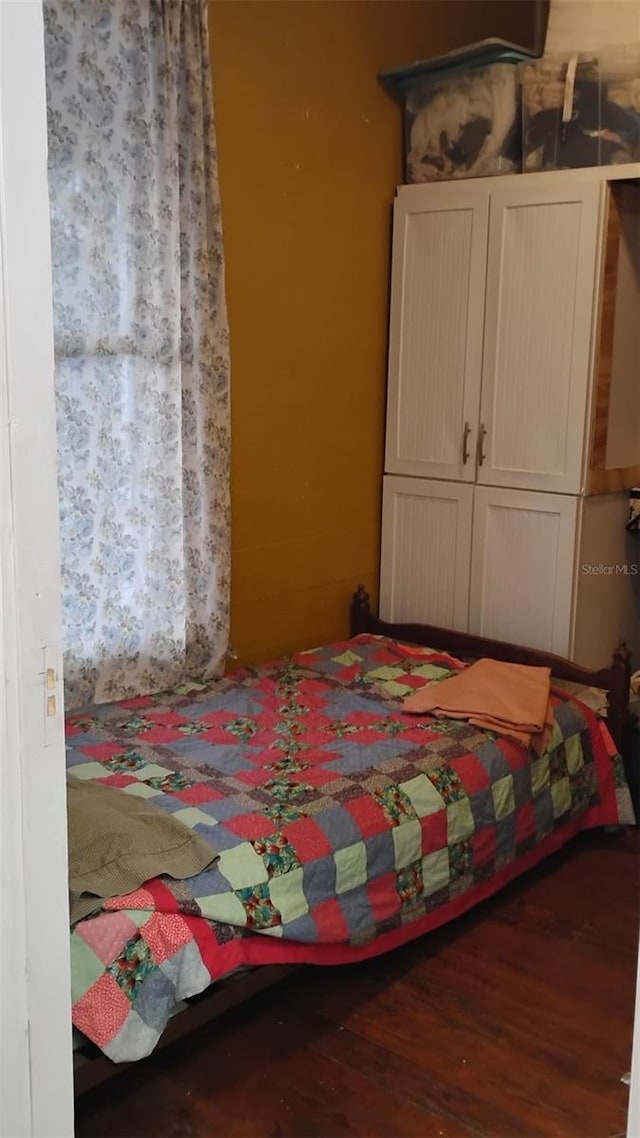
513	1022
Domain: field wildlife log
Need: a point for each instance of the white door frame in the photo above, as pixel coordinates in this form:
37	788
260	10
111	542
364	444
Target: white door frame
633	1119
36	1089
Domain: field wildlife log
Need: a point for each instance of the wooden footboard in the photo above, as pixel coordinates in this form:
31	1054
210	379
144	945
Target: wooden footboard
614	679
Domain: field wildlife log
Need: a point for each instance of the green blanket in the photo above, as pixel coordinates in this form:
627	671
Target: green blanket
118	841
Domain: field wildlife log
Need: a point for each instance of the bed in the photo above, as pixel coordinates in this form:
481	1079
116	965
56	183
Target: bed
344	827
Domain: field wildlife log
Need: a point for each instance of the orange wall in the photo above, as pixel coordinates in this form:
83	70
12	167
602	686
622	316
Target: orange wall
309	157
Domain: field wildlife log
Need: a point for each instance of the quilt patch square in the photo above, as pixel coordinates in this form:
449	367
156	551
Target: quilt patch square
169	783
356	909
226	760
242	867
159	733
193	817
540	777
380	855
107	934
288	895
319	878
347	659
504	801
139	899
165	933
525	822
330	920
225	908
104	752
308	838
515	754
435	871
460	821
339	826
522	791
134	963
447	783
117	780
407	842
351	867
277	853
434	831
424	795
75	757
506	836
141	790
557	765
368	815
395	804
250	826
471	773
543	812
584	787
482	808
221	837
484	846
125	761
383	896
259	907
493	760
561	796
102	1011
223	809
197	793
460	860
573	754
89	770
86	966
409	882
155	1000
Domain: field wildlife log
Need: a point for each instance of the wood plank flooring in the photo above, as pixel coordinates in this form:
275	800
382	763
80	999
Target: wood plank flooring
513	1022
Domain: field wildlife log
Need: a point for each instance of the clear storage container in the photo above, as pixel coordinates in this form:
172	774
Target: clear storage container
583	111
462	113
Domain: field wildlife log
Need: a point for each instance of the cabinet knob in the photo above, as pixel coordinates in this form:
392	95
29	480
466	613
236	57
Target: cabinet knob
481	437
465	443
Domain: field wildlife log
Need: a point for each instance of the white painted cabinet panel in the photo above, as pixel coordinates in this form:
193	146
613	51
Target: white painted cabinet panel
522	567
542	270
426	551
497	310
435	346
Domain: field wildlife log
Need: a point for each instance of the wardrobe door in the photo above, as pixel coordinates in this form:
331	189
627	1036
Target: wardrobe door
435	345
426	551
542	274
522	568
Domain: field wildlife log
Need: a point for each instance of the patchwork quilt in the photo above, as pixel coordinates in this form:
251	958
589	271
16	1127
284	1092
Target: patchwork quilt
344	826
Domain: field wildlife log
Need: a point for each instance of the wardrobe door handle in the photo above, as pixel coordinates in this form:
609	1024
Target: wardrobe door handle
465	443
481	437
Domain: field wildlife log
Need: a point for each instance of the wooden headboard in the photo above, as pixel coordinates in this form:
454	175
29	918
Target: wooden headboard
614	679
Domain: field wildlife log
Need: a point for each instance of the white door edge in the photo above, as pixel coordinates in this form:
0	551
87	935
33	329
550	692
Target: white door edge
36	1061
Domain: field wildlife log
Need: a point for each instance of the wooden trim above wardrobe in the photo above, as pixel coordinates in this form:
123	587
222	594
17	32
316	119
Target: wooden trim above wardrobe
624	198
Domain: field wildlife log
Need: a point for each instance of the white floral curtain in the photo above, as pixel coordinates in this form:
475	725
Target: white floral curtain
142	352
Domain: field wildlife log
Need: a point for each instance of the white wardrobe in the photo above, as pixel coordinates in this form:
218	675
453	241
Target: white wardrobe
513	417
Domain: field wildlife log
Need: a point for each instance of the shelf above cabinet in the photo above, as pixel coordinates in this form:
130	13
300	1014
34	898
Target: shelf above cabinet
629	172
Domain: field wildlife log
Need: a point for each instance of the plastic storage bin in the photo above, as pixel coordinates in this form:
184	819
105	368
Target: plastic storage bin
581	112
620	79
462	112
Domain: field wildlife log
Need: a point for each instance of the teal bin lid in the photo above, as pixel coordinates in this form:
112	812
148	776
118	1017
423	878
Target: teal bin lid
482	54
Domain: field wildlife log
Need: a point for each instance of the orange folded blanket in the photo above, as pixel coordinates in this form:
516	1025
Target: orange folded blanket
511	699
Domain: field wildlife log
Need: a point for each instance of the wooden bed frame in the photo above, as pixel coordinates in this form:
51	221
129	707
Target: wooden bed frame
91	1067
